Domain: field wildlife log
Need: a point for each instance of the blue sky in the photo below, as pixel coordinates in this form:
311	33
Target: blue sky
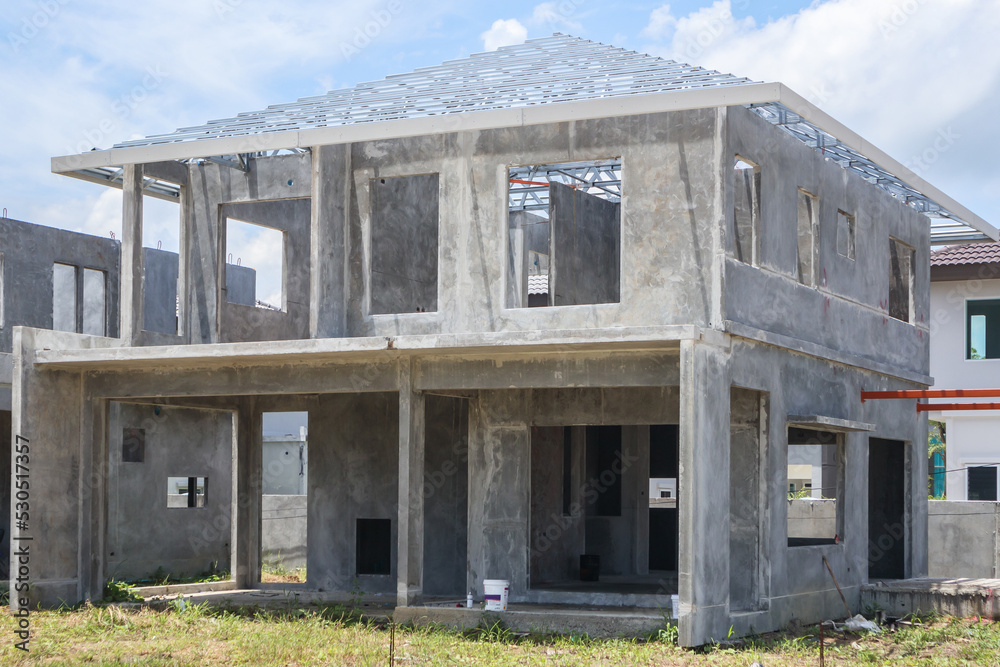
918	78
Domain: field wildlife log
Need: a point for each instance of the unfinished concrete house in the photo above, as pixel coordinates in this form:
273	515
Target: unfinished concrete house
520	292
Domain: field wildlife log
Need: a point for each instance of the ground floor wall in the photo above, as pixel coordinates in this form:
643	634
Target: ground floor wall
963	539
151	527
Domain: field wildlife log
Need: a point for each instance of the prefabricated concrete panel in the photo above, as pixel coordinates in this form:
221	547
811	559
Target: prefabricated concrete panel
744	498
29	252
283	537
404	244
963	538
445	492
241	285
557	536
159	291
146	533
585	263
848	309
353	474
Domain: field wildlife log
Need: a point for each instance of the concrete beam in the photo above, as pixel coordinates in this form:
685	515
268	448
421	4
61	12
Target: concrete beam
410	568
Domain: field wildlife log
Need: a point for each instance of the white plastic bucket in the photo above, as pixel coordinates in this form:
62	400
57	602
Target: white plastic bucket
495	593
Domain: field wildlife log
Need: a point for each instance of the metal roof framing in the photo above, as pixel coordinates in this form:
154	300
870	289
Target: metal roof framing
552	79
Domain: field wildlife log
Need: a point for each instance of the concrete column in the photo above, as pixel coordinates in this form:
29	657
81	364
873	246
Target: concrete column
247	468
331	189
703	494
410	570
131	268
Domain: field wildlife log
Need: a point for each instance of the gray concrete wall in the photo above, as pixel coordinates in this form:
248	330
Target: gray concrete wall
353	455
28	252
404	244
848	308
283	536
585	262
159	290
144	532
810	517
962	539
446	495
670	172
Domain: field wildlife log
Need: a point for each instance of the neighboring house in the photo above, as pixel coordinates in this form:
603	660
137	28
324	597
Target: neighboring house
965	354
722	278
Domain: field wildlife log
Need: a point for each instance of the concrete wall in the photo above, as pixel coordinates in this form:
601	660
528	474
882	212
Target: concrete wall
353	455
585	261
446	496
144	532
963	539
28	252
809	517
283	536
847	310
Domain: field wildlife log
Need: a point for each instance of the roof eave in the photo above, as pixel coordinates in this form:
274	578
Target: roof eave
753	93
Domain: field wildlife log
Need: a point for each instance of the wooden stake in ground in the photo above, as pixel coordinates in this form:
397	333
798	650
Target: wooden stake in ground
842	598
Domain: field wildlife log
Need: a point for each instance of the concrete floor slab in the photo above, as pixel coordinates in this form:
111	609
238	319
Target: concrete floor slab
953	597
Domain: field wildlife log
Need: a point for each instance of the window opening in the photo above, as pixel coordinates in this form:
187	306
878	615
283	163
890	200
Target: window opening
900	280
64	299
846	224
374	546
815	487
187	491
982	483
255	265
807	213
982	329
746	214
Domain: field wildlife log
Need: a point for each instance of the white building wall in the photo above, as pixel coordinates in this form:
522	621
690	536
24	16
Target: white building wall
973	437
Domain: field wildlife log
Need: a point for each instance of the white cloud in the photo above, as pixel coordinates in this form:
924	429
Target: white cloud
504	32
552	14
899	73
661	24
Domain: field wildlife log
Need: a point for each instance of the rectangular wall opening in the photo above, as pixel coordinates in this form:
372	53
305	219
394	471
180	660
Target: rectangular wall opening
593	526
846	224
373	546
64	297
169	492
886	509
161	265
815	485
746	213
664	535
900	280
188	492
564	234
95	307
255	265
284	496
404	244
808	211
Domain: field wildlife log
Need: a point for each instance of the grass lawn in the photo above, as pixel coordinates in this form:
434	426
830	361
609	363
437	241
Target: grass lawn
197	635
